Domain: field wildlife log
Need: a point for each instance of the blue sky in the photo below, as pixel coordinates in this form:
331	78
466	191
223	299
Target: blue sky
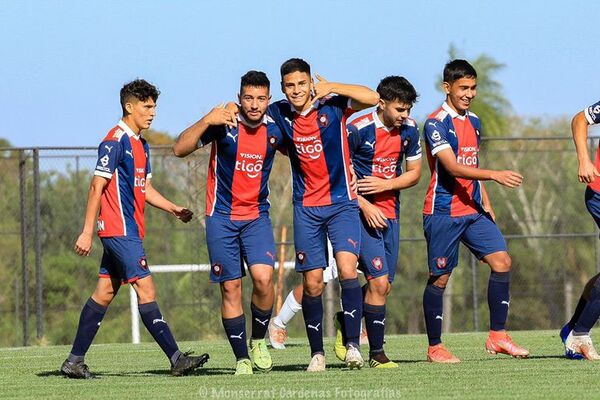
63	62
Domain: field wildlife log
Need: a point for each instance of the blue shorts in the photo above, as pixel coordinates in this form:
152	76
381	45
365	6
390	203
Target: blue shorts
231	243
379	250
444	233
123	259
592	202
312	226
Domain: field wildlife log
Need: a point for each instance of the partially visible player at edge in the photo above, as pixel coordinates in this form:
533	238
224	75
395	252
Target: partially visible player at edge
576	333
457	209
119	190
238	227
313	120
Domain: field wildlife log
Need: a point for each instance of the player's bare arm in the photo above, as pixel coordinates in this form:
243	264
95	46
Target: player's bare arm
507	178
83	246
187	142
373	184
155	199
373	215
362	97
485	202
586	172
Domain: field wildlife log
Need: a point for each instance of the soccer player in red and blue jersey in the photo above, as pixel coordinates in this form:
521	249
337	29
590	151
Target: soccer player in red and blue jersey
313	121
119	190
457	209
238	228
379	143
576	333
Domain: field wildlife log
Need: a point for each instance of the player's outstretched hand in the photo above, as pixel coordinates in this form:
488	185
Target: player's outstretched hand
374	216
587	172
221	116
83	246
372	185
508	178
321	89
183	214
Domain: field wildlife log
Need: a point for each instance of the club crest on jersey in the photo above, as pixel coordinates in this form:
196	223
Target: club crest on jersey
301	256
377	263
441	262
217	269
272	141
323	120
143	263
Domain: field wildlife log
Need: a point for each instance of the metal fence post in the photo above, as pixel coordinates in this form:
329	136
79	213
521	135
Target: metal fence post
39	277
475	297
24	244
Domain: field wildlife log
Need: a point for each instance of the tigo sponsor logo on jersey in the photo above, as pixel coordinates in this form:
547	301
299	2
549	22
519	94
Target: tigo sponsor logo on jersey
310	146
385	166
468	156
251	164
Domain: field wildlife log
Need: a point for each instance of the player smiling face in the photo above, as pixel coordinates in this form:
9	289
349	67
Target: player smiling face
297	87
460	93
254	101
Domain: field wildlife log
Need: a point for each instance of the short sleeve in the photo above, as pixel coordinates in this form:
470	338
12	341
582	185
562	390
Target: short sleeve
211	134
110	153
592	113
353	138
413	147
436	136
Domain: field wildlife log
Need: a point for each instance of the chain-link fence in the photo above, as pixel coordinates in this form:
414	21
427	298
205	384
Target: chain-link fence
551	237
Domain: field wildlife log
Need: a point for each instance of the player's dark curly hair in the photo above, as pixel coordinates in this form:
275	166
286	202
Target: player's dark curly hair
397	88
256	79
139	89
294	65
458	69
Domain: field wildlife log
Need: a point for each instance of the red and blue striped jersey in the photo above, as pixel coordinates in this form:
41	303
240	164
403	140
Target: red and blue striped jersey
240	163
123	159
318	150
592	114
379	151
446	195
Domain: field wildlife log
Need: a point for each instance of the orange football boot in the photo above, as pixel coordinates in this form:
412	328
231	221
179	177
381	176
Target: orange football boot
440	354
499	342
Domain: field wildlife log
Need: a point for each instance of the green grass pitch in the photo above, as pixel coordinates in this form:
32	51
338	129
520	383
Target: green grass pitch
141	372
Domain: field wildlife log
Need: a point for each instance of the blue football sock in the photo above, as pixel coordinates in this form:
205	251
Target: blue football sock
260	321
498	299
590	313
235	328
433	307
312	310
578	310
89	323
158	328
352	301
375	324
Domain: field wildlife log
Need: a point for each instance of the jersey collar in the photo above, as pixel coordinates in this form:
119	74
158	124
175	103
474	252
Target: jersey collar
453	113
128	130
249	124
379	123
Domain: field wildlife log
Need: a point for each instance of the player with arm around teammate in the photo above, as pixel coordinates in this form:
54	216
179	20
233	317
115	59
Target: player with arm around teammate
457	209
238	228
119	190
313	120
